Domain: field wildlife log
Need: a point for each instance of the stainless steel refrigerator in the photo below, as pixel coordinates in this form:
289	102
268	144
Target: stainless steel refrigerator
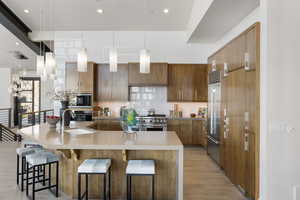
214	116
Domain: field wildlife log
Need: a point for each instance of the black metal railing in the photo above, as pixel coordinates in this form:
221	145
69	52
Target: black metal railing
5	117
33	118
8	136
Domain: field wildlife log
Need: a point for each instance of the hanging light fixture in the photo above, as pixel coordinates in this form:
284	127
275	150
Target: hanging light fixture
113	57
50	63
82	60
40	60
144	59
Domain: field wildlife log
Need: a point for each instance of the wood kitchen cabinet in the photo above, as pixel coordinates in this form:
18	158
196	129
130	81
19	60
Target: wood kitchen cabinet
82	82
189	131
158	75
239	137
112	86
187	83
108	125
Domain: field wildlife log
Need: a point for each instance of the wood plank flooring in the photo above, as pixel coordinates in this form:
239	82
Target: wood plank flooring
203	180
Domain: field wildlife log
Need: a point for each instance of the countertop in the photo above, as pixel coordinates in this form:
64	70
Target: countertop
109	140
169	118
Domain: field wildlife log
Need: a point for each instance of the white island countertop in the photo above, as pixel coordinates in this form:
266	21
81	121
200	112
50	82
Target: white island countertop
108	140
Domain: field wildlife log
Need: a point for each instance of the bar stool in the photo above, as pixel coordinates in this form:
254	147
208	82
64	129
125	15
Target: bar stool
95	166
139	168
22	153
29	143
34	162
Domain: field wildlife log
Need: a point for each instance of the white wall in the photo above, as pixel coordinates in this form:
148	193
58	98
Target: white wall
5	97
283	135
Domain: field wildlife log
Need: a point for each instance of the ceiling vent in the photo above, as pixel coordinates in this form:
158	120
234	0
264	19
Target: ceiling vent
18	55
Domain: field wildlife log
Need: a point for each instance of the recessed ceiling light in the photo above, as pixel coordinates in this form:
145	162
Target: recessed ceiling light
17	43
26	11
166	10
100	11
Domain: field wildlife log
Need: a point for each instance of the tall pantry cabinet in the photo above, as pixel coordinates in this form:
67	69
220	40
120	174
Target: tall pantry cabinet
239	149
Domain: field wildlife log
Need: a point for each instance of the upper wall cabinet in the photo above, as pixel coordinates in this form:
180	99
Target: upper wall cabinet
187	83
112	86
82	82
158	75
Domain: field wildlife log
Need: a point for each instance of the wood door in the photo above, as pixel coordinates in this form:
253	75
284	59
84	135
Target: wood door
86	79
237	53
175	82
71	77
158	75
119	83
236	108
104	83
252	44
174	125
187	88
200	83
186	131
197	132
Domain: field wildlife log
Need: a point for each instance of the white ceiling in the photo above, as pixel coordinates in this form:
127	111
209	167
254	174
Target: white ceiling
220	18
8	44
118	14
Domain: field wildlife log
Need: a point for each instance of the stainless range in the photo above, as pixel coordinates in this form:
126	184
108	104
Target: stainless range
152	123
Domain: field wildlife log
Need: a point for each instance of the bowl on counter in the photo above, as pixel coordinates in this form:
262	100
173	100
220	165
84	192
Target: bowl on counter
52	121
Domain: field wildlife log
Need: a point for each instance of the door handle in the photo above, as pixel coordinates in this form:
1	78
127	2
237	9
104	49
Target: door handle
246	142
213	140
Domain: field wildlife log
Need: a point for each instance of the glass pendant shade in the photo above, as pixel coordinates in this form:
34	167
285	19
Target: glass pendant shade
144	61
50	63
82	61
40	64
113	60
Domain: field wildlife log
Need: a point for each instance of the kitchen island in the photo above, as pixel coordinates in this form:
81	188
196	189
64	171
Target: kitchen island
75	146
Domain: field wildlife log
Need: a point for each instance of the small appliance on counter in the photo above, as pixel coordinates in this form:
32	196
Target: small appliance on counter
83	100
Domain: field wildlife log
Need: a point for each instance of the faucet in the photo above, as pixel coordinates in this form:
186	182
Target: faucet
62	127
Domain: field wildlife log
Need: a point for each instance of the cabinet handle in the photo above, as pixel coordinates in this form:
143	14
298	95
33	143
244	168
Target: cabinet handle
246	142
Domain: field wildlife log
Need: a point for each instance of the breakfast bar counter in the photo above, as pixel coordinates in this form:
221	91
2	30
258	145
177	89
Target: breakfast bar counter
78	143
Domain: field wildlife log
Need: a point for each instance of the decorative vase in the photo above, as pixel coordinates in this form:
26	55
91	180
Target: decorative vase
64	106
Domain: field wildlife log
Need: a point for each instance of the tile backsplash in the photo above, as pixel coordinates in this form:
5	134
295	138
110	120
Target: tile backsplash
145	98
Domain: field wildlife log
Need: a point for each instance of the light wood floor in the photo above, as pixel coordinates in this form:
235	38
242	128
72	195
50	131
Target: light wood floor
203	180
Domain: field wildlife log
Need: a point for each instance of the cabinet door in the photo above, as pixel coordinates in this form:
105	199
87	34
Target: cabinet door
197	135
120	83
86	79
252	44
174	125
158	75
187	87
71	77
186	132
104	83
200	83
175	82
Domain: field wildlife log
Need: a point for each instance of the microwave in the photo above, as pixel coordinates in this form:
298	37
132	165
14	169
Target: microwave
82	100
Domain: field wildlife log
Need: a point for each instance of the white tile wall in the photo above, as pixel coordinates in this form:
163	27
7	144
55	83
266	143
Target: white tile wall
145	98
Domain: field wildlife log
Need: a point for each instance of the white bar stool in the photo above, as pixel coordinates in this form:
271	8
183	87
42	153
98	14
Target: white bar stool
34	162
140	168
22	153
95	166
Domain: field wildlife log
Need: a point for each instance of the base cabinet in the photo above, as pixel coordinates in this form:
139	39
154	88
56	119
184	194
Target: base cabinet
189	131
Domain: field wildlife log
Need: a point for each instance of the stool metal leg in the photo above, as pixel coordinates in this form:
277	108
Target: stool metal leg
22	173
104	186
49	174
87	186
109	184
27	178
57	178
18	169
79	186
153	187
33	183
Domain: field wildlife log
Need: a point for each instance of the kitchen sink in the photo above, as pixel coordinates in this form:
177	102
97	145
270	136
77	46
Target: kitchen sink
79	131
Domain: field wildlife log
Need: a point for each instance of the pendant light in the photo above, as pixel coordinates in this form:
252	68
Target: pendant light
82	58
113	57
40	60
144	59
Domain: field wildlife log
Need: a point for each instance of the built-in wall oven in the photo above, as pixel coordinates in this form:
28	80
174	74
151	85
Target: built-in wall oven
214	116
